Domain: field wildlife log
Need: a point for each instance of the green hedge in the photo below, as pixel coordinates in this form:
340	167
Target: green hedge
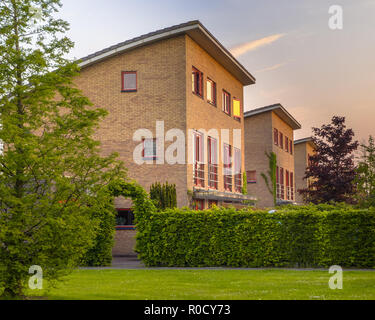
307	236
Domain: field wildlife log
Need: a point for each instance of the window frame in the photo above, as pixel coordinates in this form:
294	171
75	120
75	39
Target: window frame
249	173
291	146
276	137
228	167
229	112
123	89
286	144
200	91
213	148
213	92
281	140
154	157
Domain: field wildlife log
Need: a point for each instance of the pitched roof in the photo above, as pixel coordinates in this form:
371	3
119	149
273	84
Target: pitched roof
195	30
280	111
308	140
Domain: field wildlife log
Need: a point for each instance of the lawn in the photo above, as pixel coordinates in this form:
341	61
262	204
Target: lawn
165	284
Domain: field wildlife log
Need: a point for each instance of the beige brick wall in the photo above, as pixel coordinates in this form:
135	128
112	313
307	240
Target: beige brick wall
258	141
203	115
161	96
124	243
302	150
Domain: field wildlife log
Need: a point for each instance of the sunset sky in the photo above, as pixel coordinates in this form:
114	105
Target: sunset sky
313	71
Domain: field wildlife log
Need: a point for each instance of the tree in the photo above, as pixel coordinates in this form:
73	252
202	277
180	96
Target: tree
271	183
365	179
52	176
331	169
164	196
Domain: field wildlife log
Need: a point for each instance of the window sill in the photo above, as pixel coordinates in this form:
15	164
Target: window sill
212	104
135	90
197	95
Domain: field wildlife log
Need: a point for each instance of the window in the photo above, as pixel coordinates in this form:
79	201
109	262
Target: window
287	184
281	143
198	160
291	146
281	177
228	167
291	182
226	102
213	177
149	149
286	144
197	82
237	170
129	81
251	176
199	204
237	109
211	92
125	217
276	136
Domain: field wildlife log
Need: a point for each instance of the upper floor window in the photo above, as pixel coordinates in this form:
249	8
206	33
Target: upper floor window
149	149
198	160
237	170
228	184
237	109
281	142
226	102
291	146
129	81
197	82
286	144
211	92
213	178
276	137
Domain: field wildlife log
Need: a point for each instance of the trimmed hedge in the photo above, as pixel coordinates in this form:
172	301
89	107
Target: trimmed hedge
309	236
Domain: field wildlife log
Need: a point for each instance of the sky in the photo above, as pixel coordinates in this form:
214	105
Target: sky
313	71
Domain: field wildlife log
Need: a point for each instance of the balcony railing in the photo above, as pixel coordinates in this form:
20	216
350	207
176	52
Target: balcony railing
213	177
199	174
228	182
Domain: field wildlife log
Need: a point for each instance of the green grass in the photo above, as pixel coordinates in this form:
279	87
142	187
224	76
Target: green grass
210	284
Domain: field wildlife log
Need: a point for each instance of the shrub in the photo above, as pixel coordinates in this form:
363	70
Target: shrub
164	196
308	236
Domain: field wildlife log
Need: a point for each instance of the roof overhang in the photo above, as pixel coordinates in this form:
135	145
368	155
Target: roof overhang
308	140
280	111
196	31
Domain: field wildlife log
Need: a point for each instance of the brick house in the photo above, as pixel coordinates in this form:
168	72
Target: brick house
303	149
179	78
270	129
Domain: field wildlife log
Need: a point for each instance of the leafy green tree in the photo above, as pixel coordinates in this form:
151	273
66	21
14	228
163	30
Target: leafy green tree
52	176
164	196
365	178
270	180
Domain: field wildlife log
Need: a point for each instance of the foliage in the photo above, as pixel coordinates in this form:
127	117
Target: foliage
164	196
331	168
271	183
244	183
365	178
52	176
308	236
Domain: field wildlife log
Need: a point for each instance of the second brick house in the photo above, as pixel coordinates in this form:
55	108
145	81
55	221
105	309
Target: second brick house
270	129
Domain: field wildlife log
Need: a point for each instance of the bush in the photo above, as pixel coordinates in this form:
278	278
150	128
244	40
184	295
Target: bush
164	196
308	236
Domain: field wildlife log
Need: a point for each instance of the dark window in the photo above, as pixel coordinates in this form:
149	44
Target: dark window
125	217
286	144
129	81
197	82
291	146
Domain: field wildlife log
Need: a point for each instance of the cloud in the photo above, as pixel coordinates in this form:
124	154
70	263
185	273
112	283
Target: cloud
253	45
274	67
